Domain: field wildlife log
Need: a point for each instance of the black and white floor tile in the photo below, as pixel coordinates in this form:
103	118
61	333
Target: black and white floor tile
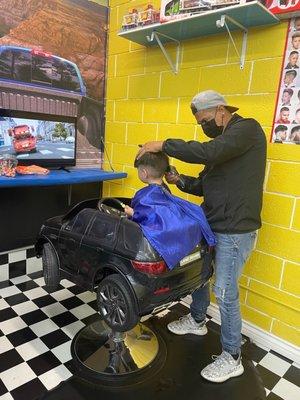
19	262
36	330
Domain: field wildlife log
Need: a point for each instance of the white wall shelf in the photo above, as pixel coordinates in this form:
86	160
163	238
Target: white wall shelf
237	17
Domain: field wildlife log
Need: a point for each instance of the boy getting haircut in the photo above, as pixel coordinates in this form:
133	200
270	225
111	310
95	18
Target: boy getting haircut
156	163
173	226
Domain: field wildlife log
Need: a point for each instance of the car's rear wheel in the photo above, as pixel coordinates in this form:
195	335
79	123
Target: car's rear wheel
116	303
50	267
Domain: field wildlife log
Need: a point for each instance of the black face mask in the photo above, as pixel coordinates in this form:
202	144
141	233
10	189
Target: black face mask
211	129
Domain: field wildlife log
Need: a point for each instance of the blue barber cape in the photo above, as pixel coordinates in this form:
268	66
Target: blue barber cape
172	225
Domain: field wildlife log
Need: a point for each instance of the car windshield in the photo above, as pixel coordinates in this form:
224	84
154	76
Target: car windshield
41	69
45	70
23	136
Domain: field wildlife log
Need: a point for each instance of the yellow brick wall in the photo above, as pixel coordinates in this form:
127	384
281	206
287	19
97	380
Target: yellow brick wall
146	101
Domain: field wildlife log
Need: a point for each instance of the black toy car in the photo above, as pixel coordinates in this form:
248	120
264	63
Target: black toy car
97	247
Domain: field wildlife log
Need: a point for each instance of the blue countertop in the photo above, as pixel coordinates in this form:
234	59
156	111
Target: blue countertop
62	177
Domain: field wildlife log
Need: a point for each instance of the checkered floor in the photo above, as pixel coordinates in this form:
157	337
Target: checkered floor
36	330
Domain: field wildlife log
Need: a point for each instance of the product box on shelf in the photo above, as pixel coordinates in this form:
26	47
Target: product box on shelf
143	15
148	15
226	3
130	19
177	9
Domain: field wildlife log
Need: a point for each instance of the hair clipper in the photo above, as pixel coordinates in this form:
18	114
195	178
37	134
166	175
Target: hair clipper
173	171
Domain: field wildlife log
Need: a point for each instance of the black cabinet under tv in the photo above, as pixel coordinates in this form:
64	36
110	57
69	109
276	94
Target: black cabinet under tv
24	209
27	201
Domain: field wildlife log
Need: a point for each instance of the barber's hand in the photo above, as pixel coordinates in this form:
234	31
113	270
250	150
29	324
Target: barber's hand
153	147
129	211
172	178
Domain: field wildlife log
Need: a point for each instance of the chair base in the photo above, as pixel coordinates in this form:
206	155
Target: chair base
101	354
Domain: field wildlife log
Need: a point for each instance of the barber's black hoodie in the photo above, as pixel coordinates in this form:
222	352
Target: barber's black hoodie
232	180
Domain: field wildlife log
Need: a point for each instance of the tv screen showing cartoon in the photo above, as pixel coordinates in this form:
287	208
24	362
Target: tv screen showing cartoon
45	140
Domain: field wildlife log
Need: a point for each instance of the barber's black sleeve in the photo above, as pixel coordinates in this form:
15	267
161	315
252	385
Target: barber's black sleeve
236	140
191	185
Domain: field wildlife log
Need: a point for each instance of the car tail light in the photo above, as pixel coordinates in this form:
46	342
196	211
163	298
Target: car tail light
37	52
153	268
162	290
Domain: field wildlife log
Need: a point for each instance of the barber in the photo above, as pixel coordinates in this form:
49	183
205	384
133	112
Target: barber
231	184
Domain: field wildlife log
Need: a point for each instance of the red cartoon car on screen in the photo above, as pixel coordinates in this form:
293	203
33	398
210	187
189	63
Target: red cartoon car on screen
23	140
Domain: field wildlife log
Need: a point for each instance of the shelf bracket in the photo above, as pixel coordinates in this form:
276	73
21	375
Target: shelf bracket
155	36
221	23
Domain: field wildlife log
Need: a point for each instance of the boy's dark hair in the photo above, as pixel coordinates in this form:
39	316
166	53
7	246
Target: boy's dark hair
156	162
280	128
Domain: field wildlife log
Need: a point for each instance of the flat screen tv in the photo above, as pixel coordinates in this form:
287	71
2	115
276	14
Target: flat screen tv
45	140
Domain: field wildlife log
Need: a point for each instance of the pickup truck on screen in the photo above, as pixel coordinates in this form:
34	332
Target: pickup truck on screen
37	81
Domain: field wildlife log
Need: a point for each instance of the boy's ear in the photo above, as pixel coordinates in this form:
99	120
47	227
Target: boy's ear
145	172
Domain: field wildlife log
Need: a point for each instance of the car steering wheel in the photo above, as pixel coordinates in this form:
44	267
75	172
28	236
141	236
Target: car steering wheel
116	209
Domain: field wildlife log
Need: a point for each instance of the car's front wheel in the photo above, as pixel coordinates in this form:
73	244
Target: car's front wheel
116	303
50	267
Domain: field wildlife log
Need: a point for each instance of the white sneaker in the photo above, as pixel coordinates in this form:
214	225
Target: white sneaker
187	324
223	368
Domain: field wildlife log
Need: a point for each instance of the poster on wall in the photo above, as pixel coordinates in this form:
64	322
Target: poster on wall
286	124
284	8
52	65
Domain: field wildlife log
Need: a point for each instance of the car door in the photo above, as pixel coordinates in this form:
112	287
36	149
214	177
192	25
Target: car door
98	243
70	238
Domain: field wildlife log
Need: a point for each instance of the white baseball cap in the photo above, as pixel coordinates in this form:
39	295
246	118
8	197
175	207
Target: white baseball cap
209	99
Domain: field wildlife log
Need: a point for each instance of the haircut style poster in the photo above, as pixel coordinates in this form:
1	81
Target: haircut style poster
286	124
52	62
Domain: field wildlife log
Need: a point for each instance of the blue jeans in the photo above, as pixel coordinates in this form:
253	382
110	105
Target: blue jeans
231	253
